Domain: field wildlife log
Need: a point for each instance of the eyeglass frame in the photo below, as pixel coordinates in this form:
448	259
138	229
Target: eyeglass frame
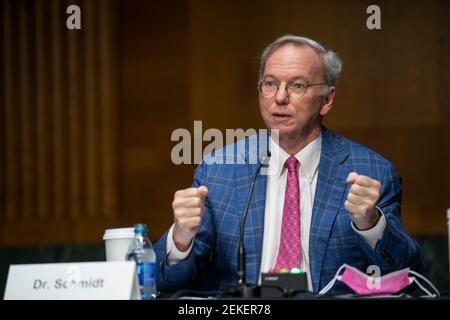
286	86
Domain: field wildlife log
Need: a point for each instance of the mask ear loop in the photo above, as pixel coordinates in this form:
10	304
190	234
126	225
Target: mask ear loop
437	295
332	282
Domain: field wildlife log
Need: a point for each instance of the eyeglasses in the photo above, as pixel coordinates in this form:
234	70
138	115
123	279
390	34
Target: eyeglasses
296	90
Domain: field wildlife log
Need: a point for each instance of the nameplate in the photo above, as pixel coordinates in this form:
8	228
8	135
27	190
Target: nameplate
72	281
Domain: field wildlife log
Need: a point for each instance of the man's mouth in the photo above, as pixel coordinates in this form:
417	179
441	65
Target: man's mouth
281	115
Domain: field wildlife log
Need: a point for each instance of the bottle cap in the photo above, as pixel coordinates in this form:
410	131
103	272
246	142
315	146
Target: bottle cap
140	228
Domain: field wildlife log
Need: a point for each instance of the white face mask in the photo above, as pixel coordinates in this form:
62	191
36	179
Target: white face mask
389	284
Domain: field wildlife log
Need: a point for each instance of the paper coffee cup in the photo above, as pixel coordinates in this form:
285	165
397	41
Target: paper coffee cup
117	242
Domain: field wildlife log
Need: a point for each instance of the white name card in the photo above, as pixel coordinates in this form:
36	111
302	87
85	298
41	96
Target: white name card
72	281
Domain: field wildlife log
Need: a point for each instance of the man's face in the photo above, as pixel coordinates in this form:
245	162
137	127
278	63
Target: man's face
294	64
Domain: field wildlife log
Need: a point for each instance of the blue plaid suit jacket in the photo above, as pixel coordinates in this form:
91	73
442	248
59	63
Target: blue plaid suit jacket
212	263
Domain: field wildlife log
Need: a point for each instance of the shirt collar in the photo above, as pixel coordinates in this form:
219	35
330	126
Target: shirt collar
308	158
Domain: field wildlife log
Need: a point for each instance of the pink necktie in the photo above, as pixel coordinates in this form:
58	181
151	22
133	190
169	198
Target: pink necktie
289	250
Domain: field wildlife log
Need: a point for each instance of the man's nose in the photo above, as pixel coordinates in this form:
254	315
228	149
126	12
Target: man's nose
282	96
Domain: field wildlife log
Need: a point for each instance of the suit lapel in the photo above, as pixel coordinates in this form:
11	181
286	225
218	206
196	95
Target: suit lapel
329	193
330	189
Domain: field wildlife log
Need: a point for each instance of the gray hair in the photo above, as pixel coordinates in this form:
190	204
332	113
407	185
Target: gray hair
331	63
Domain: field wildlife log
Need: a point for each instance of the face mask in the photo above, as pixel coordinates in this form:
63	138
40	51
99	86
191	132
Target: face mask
367	285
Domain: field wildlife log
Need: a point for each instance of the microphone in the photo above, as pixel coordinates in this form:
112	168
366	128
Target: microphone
263	162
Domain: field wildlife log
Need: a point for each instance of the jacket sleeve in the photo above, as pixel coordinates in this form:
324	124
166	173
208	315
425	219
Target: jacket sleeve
185	273
396	250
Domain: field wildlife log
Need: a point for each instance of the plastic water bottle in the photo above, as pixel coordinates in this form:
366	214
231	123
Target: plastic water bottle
141	251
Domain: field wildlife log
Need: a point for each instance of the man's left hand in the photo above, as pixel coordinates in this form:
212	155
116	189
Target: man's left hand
362	197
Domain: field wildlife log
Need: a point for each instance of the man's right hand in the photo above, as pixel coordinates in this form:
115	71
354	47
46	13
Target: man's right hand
188	207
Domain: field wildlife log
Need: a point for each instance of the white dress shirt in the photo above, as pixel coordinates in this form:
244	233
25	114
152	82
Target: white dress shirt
308	158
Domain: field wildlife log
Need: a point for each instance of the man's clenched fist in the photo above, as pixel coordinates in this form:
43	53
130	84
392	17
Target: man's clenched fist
362	198
188	207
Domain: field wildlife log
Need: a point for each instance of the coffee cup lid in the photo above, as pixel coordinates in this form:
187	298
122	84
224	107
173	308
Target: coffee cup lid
118	233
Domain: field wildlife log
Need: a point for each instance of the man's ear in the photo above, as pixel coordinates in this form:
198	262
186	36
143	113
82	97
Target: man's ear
327	101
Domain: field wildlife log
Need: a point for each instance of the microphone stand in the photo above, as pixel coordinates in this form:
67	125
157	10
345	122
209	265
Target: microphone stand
246	291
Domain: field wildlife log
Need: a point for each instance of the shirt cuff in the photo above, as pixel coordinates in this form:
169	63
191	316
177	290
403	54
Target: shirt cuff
173	254
372	235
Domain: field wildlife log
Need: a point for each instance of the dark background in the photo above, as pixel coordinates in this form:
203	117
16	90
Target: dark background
86	115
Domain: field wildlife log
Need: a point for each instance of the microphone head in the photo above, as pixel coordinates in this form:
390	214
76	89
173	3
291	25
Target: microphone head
264	159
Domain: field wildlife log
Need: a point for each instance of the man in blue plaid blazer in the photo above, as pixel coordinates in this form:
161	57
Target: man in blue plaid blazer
350	215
